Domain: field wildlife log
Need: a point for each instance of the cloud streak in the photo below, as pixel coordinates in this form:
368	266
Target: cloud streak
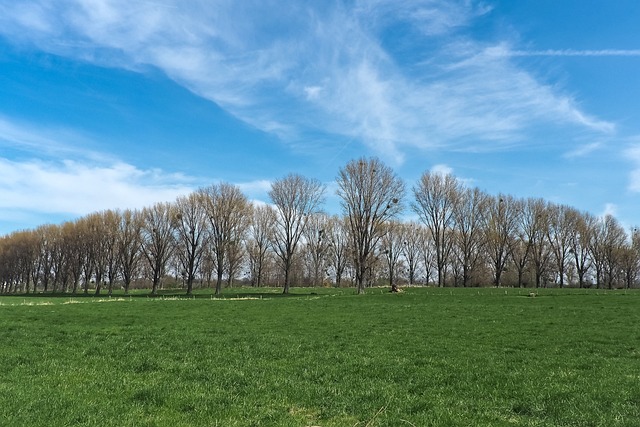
584	150
44	141
572	52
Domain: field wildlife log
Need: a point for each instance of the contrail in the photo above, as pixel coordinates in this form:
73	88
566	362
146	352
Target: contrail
573	52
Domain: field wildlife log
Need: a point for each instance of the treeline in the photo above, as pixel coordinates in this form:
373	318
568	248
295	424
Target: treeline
216	237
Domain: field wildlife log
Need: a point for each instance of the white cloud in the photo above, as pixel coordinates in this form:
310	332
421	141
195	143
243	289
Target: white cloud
442	169
609	209
633	155
256	190
312	92
75	188
303	67
261	185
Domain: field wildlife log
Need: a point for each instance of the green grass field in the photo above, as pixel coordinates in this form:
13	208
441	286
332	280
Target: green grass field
323	357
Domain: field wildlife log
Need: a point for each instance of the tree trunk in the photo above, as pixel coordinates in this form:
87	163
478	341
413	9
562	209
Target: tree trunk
156	282
189	285
520	272
287	278
219	282
580	279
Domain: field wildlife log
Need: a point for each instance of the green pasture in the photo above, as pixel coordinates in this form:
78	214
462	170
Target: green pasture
323	357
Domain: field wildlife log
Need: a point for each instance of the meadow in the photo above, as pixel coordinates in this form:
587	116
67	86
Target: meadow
323	357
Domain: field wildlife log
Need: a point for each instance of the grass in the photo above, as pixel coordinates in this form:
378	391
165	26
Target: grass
426	357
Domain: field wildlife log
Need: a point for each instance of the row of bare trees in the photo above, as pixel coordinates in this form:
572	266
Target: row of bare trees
215	235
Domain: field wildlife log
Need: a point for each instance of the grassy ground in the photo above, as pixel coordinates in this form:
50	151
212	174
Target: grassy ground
426	357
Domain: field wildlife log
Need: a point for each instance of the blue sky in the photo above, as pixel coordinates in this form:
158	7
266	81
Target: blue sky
119	104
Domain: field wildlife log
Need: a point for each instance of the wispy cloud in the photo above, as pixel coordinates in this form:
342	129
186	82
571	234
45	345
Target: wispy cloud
583	150
484	104
308	68
609	209
632	154
256	191
432	18
573	52
443	169
43	140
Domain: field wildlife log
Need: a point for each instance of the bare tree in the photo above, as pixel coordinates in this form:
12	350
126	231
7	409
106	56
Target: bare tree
612	241
9	270
234	259
630	259
229	213
371	194
32	251
191	227
520	251
435	195
338	249
59	256
157	240
316	247
46	241
9	253
73	257
580	240
468	218
111	222
97	241
258	243
21	251
501	224
87	233
391	246
411	249
129	245
72	236
295	197
19	254
562	221
208	265
525	236
428	253
536	223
